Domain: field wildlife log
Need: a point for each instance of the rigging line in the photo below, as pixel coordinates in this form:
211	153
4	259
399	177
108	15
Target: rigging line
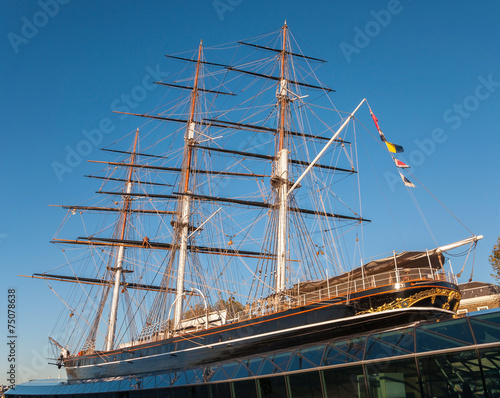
329	190
233	44
461	254
422	215
122	137
347	154
328	127
63	222
472	246
362	252
246	236
296	41
239	108
383	194
338	252
73	311
80	285
244	229
259	282
129	327
308	243
449	211
473	262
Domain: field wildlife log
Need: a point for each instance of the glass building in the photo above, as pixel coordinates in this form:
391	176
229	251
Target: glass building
453	357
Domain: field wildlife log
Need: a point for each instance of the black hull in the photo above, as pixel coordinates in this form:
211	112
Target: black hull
366	310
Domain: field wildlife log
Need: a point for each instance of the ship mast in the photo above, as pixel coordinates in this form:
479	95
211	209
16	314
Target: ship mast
121	253
281	171
183	223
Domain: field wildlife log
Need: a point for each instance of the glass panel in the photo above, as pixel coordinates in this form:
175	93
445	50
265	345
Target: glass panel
281	360
353	347
198	376
190	376
166	393
491	317
457	329
220	390
272	387
253	365
149	393
208	372
490	361
244	389
180	392
114	385
485	332
101	387
376	348
313	354
179	379
148	382
451	375
241	372
197	392
345	382
305	385
124	385
132	394
335	357
267	367
218	375
404	338
428	341
162	381
298	362
344	352
229	368
393	379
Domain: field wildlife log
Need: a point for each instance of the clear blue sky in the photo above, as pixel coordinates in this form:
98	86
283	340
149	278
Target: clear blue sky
424	66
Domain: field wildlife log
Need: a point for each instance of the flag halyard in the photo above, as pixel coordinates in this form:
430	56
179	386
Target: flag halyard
393	148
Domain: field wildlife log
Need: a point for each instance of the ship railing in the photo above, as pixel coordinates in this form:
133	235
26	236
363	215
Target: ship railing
341	290
334	291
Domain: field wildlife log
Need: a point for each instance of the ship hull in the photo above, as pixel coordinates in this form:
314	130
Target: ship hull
363	311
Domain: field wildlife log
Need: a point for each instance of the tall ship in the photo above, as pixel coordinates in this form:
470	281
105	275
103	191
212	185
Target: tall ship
219	230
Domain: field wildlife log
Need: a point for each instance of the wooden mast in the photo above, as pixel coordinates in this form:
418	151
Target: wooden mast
183	223
281	171
121	253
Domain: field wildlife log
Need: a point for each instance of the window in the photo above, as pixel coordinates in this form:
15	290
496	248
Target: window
483	307
305	385
462	311
244	389
345	382
272	387
485	332
490	359
455	374
393	379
